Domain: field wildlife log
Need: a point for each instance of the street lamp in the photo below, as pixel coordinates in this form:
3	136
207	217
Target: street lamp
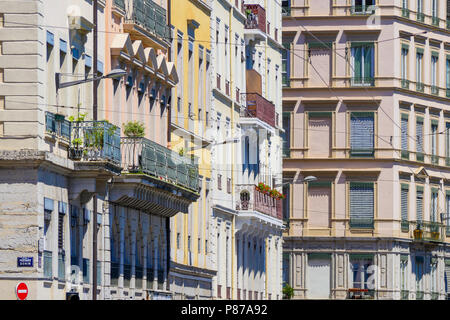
307	179
114	74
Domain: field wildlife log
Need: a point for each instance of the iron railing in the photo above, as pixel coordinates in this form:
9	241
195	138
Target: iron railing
420	86
420	16
435	90
256	17
363	9
95	141
140	155
151	17
405	84
405	13
428	231
404	295
363	81
419	295
361	223
253	199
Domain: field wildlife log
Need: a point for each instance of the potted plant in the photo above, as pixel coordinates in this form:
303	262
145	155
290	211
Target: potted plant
288	291
418	232
76	154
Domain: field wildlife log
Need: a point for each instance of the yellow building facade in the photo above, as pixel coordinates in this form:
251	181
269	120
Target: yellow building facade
191	275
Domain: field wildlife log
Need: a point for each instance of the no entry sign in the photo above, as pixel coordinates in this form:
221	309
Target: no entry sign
22	291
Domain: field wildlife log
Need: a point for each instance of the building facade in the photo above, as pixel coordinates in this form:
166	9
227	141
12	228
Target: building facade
246	149
365	111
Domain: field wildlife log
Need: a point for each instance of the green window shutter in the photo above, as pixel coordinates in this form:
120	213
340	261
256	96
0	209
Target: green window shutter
434	122
404	128
404	258
419	134
419	50
405	46
361	204
357	64
368	61
362	133
320	114
435	54
404	203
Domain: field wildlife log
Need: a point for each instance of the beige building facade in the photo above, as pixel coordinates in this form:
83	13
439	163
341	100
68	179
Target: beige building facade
365	111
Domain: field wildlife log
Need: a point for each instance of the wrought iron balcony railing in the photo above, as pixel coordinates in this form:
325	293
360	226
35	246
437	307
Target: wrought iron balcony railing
138	275
363	9
95	141
435	90
419	295
361	223
435	21
428	231
405	13
363	81
419	86
140	155
149	16
420	16
404	295
150	277
405	84
286	11
251	198
258	107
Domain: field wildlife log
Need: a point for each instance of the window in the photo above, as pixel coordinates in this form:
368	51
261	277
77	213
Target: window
434	141
404	206
419	139
363	64
199	245
219	181
404	67
434	74
48	254
286	135
419	66
420	14
419	204
361	205
404	136
363	6
405	8
447	143
447	80
404	274
359	265
362	134
286	202
434	277
434	12
419	276
178	240
285	61
434	204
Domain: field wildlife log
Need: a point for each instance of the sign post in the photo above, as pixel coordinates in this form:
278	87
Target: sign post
22	291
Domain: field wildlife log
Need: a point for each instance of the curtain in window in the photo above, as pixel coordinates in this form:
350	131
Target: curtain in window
361	133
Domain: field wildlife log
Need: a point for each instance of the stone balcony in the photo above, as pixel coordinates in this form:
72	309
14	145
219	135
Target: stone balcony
251	199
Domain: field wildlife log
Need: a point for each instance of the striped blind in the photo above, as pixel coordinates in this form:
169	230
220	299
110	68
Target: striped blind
361	133
419	135
434	202
447	276
419	205
404	203
404	126
361	203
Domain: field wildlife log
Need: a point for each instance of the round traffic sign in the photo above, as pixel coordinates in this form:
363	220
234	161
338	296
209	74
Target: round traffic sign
22	291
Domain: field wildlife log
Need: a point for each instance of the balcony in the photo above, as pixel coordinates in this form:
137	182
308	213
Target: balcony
419	86
428	231
420	16
405	84
435	90
435	21
404	295
251	199
363	9
259	107
57	126
140	155
256	17
95	141
363	81
405	13
147	16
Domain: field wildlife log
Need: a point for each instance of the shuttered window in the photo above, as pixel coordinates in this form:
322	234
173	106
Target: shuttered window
419	138
447	277
434	203
404	202
362	133
419	204
361	205
404	128
363	63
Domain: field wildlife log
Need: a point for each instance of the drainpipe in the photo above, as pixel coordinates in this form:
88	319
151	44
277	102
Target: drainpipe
94	227
169	116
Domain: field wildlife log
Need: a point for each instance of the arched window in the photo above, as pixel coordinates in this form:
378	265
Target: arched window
245	199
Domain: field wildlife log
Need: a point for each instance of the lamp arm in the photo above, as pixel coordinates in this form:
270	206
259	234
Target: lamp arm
73	83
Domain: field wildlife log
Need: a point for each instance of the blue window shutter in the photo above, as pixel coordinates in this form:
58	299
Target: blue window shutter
99	66
76	53
361	133
88	61
362	202
48	204
50	38
63	45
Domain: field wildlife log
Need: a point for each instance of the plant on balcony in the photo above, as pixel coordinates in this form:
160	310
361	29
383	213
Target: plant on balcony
80	117
288	291
418	232
181	152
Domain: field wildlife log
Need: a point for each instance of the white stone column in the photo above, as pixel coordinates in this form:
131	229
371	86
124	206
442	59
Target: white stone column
133	256
155	259
145	248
